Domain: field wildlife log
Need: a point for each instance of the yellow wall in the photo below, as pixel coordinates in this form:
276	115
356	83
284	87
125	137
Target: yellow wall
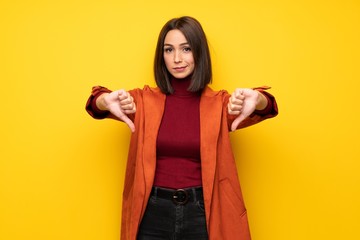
61	172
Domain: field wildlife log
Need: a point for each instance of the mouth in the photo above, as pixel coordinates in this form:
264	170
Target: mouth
180	69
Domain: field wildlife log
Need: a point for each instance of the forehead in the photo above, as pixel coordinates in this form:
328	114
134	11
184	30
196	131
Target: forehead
175	37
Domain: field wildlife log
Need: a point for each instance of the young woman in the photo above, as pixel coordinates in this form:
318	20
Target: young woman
181	180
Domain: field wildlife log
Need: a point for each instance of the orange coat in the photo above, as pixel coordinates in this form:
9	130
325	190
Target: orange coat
226	215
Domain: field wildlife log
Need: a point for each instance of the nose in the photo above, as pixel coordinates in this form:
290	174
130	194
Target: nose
177	57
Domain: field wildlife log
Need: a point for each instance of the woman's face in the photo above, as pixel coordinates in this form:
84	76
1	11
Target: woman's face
178	55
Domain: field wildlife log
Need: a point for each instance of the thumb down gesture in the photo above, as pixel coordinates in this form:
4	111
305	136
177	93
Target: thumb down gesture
120	103
243	102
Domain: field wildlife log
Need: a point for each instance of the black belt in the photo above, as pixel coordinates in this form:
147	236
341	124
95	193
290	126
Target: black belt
179	196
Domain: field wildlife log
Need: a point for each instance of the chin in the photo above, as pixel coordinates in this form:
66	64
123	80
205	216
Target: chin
180	76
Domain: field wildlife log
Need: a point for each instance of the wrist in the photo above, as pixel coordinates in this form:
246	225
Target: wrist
262	101
100	102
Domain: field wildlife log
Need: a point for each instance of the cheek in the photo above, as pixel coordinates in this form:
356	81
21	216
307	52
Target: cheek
191	59
192	62
167	61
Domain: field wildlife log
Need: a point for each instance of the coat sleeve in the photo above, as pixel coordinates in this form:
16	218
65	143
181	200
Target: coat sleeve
95	112
270	111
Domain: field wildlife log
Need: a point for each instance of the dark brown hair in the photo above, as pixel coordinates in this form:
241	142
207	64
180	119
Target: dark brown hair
196	38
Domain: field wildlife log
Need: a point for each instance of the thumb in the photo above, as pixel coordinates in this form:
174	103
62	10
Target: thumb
237	121
128	122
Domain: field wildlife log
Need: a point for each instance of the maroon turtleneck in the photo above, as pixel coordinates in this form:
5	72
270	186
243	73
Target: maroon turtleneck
178	144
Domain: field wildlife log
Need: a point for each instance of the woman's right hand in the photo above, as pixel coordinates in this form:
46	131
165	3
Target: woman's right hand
119	103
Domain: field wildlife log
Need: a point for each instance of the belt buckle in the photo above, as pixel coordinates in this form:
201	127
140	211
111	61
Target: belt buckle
180	197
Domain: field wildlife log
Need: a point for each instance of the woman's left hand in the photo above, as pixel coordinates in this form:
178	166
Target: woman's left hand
243	102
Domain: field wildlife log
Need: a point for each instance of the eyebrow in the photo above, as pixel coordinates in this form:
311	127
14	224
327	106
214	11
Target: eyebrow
181	44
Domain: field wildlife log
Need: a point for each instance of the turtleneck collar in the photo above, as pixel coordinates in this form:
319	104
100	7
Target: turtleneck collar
180	87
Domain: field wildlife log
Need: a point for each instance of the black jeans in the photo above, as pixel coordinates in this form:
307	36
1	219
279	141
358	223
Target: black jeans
165	219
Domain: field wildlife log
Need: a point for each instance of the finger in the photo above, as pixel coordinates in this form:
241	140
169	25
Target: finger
239	94
130	124
130	110
127	100
234	109
237	121
123	95
134	106
235	100
128	106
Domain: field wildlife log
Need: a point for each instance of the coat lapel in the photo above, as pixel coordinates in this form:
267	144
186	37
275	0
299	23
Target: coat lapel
154	103
210	122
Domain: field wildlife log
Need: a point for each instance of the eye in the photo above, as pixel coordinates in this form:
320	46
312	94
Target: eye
168	50
187	49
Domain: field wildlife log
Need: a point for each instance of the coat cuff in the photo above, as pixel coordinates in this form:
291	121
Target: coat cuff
269	109
91	107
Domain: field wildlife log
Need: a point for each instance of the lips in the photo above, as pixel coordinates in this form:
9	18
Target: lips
180	69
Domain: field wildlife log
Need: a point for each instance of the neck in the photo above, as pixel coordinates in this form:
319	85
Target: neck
181	86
